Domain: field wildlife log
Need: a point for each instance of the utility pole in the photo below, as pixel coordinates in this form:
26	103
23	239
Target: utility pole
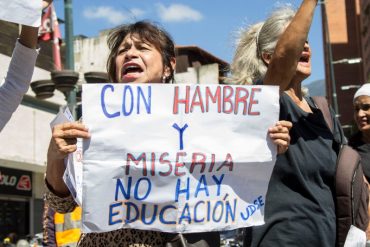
71	97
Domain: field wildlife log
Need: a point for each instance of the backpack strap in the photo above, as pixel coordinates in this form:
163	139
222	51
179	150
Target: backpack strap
352	195
323	105
351	192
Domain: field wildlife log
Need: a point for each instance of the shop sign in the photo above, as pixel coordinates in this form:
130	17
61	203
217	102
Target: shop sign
15	182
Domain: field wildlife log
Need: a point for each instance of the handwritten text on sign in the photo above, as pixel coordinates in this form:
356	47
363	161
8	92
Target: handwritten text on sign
177	158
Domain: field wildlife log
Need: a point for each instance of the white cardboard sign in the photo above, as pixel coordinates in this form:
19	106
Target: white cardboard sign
176	158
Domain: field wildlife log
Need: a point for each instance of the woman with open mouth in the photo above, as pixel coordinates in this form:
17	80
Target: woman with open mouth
300	207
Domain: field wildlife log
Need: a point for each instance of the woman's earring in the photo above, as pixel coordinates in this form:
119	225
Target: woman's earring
164	78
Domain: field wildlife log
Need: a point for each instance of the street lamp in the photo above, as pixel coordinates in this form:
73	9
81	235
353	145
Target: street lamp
71	95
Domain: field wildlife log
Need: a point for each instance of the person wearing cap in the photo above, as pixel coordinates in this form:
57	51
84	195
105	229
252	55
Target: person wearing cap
360	141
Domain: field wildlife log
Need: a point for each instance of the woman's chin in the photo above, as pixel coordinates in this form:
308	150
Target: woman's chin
364	128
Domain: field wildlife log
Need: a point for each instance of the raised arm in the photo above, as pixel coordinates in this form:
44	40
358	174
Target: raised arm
29	35
284	60
20	72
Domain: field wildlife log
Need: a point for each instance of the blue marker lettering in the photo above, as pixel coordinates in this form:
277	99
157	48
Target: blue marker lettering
130	205
202	181
102	102
120	187
185	215
154	214
114	213
249	211
126	113
180	191
230	211
162	213
136	190
147	101
218	203
196	220
218	182
181	133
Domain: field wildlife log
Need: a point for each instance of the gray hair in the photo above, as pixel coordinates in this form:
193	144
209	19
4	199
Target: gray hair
247	66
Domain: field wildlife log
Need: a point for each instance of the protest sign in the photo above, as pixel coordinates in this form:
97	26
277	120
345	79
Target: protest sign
176	158
21	12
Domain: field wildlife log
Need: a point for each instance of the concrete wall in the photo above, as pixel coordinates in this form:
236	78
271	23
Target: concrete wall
25	138
91	54
205	74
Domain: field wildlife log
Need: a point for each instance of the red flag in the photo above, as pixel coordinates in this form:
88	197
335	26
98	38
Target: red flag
55	28
49	30
57	40
45	28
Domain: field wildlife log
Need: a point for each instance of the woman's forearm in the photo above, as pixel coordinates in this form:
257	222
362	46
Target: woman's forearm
54	174
288	50
29	36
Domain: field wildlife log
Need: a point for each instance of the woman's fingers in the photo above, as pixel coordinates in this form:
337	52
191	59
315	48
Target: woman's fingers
280	135
286	124
282	145
281	127
71	130
64	138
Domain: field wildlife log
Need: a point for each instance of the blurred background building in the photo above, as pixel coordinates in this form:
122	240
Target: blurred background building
347	53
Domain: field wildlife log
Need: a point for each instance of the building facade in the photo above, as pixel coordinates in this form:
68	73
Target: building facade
346	48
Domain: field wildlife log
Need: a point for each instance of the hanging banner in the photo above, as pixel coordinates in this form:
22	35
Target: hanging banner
176	158
22	12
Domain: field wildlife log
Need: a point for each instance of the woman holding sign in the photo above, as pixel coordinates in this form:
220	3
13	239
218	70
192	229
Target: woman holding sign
140	53
20	71
300	209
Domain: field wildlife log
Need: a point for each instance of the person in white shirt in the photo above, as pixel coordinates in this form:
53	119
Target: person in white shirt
20	71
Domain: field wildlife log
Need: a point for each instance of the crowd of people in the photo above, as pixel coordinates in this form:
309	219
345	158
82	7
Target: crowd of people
300	202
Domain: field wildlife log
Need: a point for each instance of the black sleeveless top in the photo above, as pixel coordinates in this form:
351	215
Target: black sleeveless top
300	209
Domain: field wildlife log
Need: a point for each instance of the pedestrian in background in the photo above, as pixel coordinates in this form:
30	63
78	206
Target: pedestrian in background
360	141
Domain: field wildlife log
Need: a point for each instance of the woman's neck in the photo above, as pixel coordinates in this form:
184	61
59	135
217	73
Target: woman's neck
295	93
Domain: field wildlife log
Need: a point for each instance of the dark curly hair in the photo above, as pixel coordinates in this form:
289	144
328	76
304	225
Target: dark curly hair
148	32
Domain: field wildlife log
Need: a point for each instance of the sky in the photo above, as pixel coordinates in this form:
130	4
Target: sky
210	24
